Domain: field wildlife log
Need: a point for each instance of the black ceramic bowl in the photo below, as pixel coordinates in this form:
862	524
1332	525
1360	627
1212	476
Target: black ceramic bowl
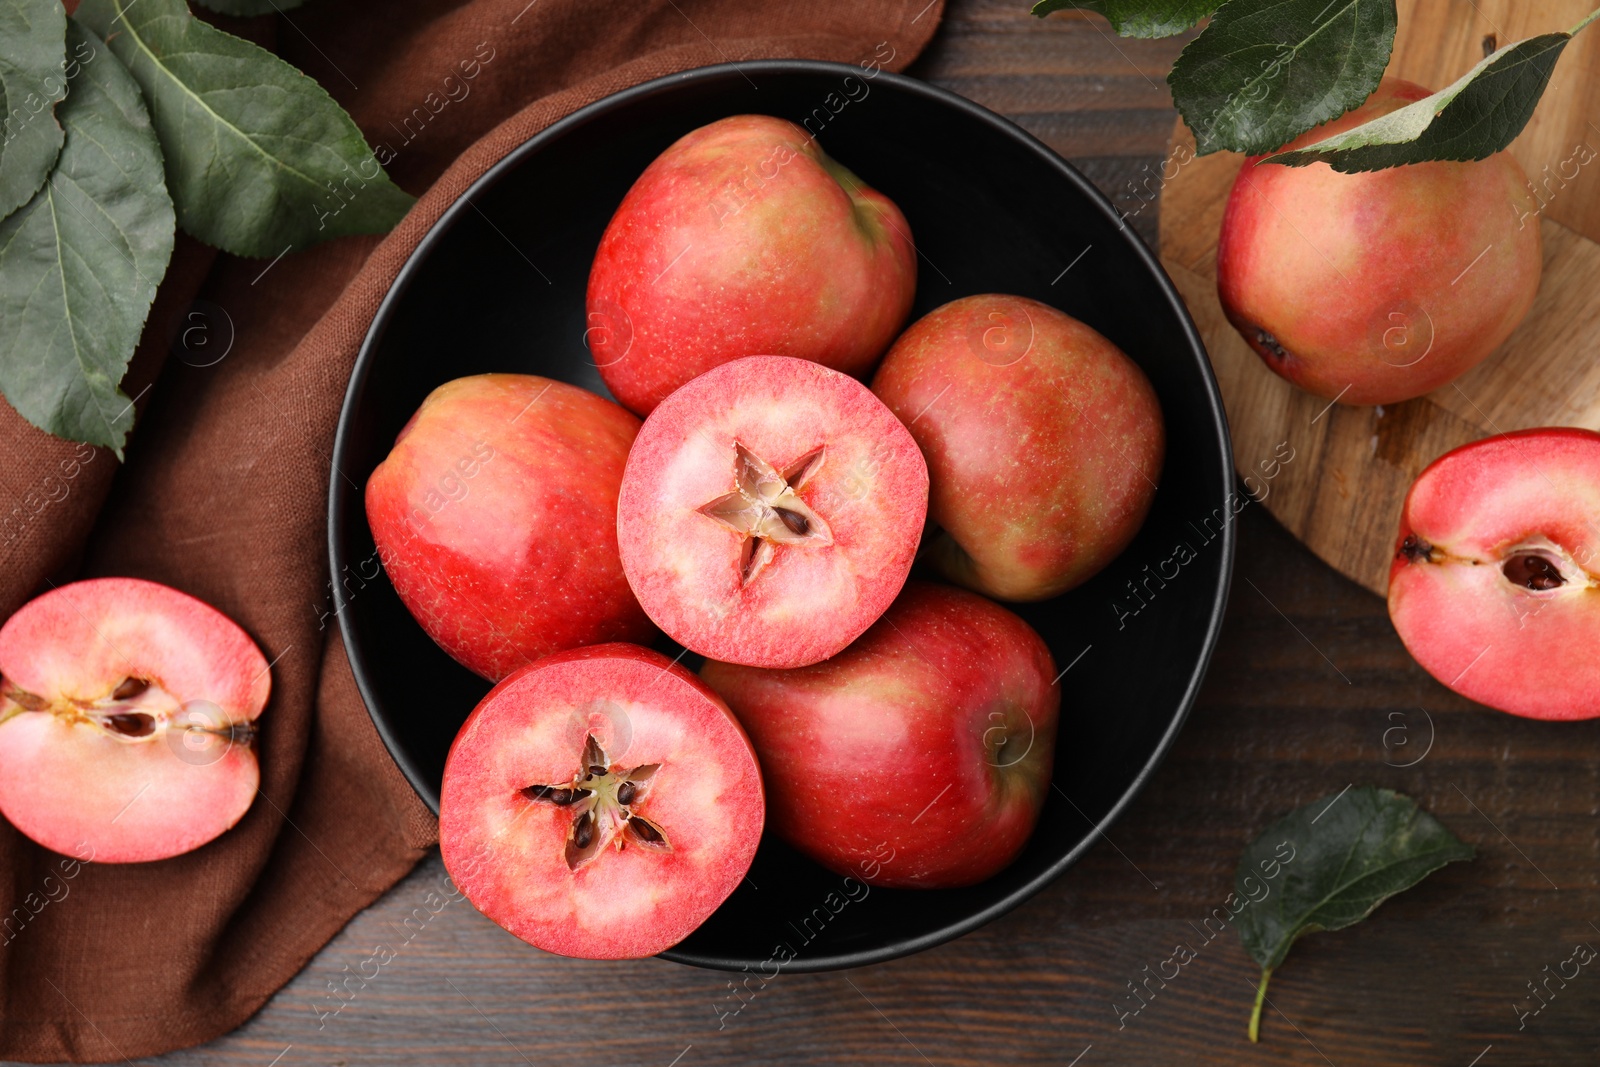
498	285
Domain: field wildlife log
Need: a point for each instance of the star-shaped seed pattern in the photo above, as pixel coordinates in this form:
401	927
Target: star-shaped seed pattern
766	509
602	798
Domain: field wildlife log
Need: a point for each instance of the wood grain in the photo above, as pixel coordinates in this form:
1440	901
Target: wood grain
1307	687
1342	495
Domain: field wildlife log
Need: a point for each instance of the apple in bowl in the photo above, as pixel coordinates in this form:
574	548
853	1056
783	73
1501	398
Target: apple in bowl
600	803
918	757
1044	442
770	512
744	238
495	517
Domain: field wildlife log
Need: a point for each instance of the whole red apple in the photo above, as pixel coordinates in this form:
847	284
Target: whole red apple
495	516
127	720
1044	442
920	756
600	803
770	512
743	238
1495	585
1377	287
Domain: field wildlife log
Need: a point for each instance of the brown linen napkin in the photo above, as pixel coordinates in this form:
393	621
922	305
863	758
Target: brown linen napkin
224	496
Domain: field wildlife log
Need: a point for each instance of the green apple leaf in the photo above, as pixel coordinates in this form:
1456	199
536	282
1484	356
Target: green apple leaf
1265	71
1477	116
1348	853
32	80
260	159
247	8
80	261
1139	18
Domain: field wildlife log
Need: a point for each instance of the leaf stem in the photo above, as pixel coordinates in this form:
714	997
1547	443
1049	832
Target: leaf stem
1255	1013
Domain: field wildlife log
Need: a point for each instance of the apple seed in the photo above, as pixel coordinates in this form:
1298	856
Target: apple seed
131	723
796	522
1532	571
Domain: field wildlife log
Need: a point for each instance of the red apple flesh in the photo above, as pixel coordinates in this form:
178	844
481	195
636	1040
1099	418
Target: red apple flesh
743	238
127	714
495	518
600	803
1378	287
1495	585
1044	442
770	512
921	755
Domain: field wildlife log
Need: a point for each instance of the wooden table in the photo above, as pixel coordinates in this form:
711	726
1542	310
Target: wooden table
1308	679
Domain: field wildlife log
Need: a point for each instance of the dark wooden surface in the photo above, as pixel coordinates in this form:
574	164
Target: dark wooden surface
1304	697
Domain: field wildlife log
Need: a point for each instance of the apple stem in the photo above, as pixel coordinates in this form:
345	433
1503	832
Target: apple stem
1255	1014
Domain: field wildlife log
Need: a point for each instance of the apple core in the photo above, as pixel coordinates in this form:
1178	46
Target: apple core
766	509
603	799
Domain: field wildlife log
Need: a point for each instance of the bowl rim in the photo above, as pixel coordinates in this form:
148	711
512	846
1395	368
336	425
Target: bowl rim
497	172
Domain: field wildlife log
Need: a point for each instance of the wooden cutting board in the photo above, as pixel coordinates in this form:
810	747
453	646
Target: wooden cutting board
1342	491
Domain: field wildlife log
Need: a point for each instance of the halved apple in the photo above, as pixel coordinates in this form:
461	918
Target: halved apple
1495	585
127	718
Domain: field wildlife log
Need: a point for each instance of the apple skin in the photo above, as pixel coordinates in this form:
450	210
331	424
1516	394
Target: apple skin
90	769
495	518
743	238
505	848
1369	287
1495	585
1044	442
931	737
